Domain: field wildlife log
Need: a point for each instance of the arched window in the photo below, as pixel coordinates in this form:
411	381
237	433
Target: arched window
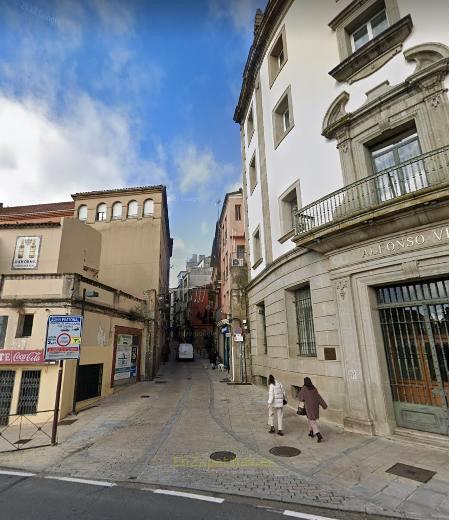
82	212
101	212
133	208
148	207
117	211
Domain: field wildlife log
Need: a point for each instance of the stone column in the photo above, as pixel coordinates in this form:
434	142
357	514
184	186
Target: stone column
357	416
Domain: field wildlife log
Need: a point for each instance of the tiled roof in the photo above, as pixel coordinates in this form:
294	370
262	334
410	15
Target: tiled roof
119	190
36	209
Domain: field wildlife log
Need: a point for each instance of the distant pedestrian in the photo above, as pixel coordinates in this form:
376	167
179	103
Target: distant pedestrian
276	401
213	359
312	402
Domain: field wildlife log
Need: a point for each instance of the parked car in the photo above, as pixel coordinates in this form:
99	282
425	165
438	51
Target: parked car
185	351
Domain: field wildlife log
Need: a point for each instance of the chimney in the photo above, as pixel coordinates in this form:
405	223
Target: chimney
258	20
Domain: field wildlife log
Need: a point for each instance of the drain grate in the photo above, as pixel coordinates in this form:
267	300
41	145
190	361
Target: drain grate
67	422
132	478
144	396
411	472
285	451
160	382
223	456
23	441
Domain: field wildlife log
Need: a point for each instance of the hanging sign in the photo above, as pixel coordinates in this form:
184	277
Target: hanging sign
63	337
26	253
238	338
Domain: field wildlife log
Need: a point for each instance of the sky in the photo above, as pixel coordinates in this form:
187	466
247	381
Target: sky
108	94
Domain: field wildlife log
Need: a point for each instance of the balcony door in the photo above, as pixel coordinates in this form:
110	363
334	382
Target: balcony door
402	174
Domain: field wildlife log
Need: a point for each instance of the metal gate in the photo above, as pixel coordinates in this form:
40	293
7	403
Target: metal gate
415	327
7	378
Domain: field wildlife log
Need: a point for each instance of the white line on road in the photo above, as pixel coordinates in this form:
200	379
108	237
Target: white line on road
188	495
305	516
83	481
17	473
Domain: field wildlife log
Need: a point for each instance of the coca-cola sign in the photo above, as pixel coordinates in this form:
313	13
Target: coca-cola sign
21	357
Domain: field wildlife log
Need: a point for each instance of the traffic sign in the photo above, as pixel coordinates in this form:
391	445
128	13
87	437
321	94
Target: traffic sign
63	337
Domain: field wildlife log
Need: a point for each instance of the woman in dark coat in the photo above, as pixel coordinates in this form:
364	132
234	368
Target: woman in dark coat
312	402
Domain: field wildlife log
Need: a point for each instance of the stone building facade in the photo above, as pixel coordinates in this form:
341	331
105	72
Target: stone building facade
344	119
52	263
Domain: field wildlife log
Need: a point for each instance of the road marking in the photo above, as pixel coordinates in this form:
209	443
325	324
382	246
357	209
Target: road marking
83	481
305	516
188	495
17	473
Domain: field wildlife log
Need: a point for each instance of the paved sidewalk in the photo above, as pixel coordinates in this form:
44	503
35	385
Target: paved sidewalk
167	439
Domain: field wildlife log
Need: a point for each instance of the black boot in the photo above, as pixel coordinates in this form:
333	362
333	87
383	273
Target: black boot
281	433
311	434
272	430
319	437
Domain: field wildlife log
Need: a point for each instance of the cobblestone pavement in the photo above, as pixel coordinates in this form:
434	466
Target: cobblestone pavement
167	438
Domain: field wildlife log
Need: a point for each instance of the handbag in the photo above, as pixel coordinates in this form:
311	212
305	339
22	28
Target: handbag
301	410
284	402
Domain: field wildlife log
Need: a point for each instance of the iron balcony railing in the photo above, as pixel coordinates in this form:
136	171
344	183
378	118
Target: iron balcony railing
424	171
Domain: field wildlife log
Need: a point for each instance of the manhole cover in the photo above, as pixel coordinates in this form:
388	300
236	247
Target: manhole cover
22	441
223	456
285	451
160	382
411	472
67	422
144	396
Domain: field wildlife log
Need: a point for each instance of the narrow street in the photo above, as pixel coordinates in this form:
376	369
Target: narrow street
162	433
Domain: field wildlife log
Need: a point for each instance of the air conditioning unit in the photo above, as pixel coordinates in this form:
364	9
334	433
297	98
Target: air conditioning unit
238	262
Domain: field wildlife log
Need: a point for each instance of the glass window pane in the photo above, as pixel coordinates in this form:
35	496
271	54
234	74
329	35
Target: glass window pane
386	160
409	150
360	37
379	23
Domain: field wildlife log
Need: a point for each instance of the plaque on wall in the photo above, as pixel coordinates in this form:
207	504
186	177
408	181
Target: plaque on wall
26	253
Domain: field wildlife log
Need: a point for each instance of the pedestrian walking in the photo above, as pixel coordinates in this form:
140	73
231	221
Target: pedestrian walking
213	359
276	401
312	402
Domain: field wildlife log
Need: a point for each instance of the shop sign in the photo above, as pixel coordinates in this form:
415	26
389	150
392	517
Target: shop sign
26	253
124	357
22	357
238	338
63	337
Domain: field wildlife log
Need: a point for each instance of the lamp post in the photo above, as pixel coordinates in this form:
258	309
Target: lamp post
86	294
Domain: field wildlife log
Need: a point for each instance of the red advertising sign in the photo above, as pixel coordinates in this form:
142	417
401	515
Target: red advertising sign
21	357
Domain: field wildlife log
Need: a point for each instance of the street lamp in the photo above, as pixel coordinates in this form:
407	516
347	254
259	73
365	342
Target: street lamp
86	294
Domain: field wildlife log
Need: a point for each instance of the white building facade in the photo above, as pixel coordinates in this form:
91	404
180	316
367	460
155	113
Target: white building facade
344	118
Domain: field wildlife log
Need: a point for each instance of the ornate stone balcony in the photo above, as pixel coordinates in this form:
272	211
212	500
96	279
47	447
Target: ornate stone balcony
419	182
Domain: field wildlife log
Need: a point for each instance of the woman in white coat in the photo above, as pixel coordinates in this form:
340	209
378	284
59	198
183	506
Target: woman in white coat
276	402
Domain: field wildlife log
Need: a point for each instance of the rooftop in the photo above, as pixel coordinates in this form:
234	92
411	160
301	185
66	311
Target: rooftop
159	187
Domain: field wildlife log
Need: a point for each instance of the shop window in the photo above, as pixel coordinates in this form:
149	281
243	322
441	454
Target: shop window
133	209
25	326
3	327
82	212
148	207
277	56
304	321
117	211
29	392
252	174
90	378
282	117
262	328
101	214
249	126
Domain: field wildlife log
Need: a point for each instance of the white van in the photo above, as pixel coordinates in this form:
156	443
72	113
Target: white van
185	351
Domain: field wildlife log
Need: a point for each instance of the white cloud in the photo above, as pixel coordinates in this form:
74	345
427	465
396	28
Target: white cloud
178	244
241	12
204	227
198	168
45	159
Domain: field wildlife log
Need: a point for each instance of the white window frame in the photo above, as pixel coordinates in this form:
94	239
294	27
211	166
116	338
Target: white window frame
83	208
104	214
146	204
115	216
367	24
128	213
